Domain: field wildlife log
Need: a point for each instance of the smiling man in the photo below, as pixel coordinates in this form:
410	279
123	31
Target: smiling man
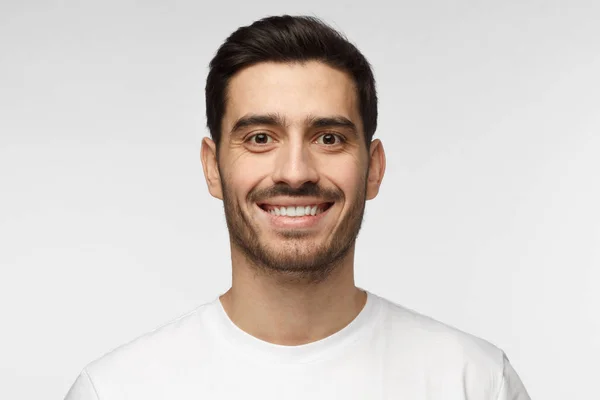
292	109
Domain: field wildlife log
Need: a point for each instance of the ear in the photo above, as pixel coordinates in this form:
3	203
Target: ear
376	168
208	155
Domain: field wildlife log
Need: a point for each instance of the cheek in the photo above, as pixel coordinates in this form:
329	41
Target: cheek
246	174
349	178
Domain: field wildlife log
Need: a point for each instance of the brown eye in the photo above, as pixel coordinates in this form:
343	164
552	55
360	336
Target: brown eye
329	139
260	138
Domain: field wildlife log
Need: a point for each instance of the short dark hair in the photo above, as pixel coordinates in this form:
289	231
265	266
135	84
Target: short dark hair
288	39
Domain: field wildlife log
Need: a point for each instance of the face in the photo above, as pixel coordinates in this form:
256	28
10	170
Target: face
293	168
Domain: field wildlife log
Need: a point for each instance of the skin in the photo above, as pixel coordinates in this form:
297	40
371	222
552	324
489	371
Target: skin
292	286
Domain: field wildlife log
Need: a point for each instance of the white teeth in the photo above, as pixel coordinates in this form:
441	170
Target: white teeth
298	211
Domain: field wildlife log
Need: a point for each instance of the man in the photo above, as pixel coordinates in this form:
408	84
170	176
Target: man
292	109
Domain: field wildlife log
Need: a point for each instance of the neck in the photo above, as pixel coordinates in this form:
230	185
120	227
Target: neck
286	311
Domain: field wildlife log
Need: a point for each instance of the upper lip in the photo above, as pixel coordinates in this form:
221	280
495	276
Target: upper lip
293	201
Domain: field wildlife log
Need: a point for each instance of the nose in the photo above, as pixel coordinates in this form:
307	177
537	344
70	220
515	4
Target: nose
295	165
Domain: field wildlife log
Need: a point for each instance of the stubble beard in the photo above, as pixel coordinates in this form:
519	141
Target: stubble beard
295	258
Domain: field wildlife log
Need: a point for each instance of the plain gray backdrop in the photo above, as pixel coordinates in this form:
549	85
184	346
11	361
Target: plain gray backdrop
487	219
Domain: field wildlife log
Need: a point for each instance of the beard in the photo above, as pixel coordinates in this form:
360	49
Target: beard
296	258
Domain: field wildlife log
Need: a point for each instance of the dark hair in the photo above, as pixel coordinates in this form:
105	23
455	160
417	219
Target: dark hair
288	39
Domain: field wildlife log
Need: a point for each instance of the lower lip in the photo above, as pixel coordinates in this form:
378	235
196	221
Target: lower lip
307	221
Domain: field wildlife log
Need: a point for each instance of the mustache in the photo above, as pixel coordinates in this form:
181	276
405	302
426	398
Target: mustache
308	189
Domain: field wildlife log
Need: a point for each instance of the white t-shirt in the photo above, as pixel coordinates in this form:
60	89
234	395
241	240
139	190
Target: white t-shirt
386	352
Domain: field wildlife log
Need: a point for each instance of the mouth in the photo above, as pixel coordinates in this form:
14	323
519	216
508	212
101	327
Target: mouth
296	211
295	216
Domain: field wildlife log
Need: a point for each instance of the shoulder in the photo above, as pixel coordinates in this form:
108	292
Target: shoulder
171	343
443	351
436	337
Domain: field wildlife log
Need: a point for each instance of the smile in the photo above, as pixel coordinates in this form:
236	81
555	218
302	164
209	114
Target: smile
295	210
295	216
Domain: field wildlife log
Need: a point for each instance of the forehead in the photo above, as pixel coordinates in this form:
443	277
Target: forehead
293	90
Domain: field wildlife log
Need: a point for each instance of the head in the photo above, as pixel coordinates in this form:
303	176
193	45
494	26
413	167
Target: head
291	108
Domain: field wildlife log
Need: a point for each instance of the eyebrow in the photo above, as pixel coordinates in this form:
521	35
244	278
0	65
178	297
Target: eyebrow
336	121
275	119
259	119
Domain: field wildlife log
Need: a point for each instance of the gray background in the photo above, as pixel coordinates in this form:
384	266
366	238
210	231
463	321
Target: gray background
487	219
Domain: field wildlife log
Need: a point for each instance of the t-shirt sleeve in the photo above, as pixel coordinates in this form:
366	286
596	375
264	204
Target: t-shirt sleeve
82	389
511	387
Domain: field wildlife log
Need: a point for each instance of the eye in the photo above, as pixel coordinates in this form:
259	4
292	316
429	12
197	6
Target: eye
329	139
260	139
